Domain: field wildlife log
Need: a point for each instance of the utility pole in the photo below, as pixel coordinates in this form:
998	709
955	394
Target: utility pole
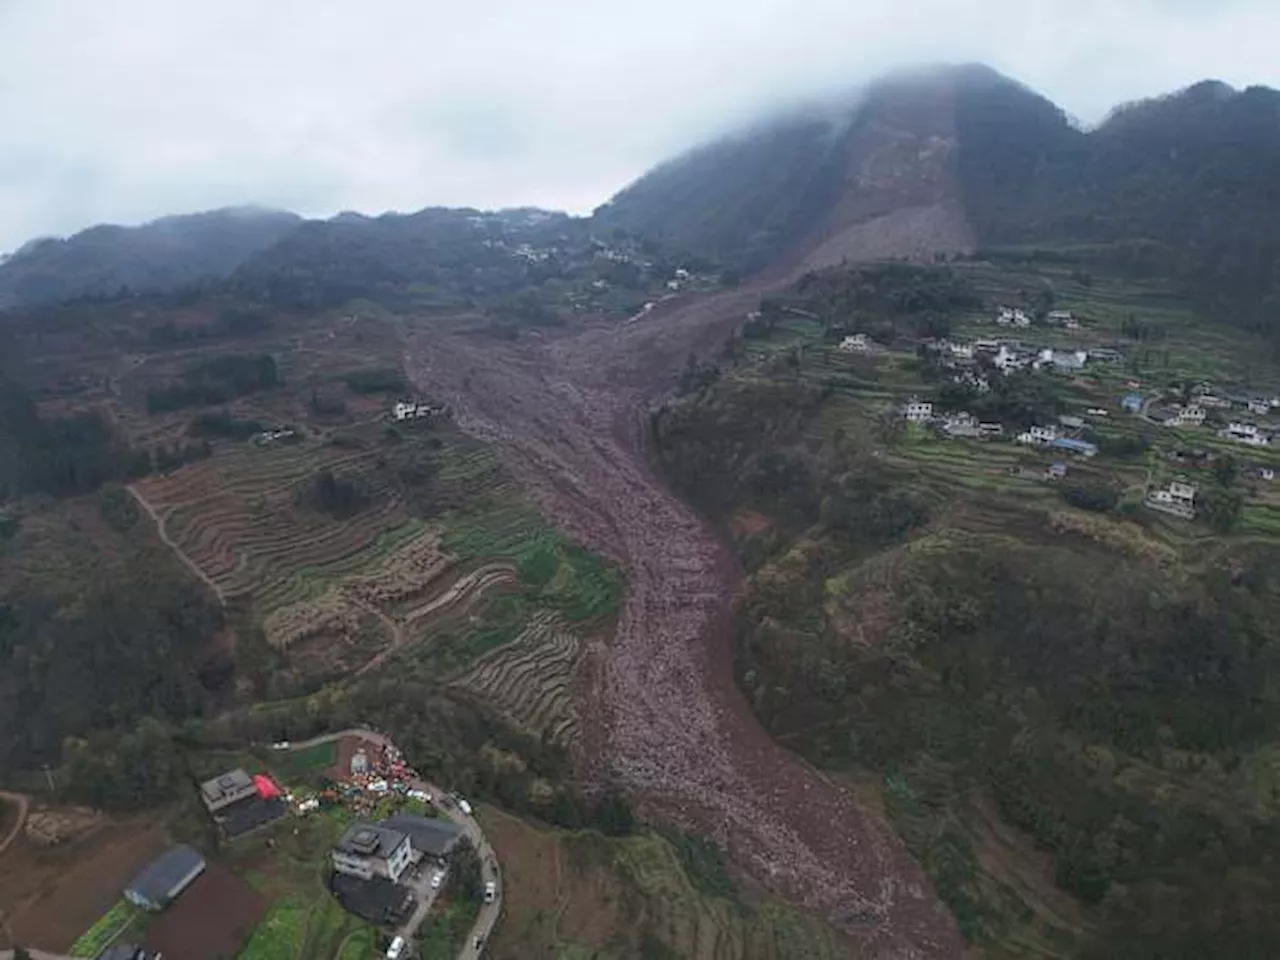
48	776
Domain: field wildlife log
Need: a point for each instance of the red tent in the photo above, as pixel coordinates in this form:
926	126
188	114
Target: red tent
267	789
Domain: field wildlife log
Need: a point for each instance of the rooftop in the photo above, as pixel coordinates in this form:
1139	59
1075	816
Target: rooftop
165	876
432	837
232	784
364	839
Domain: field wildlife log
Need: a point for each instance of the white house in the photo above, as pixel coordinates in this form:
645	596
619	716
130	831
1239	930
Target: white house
1260	407
1009	316
918	411
682	273
412	411
1177	499
961	351
1039	435
961	425
1006	359
673	285
1245	433
1191	415
368	850
855	343
1066	361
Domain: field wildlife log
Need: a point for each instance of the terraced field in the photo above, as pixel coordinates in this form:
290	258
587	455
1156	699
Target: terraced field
530	681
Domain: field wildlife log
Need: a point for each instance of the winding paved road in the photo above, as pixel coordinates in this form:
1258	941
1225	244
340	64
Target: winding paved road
489	913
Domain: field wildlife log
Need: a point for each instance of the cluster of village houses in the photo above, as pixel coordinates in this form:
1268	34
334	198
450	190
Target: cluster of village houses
1177	498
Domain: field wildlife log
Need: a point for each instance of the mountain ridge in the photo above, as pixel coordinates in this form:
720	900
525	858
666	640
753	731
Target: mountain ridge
920	163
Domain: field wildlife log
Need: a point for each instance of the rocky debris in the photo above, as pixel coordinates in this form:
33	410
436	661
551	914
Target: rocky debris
568	416
48	828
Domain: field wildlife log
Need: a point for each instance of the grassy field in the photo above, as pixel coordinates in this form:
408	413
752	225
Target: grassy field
106	930
300	764
583	895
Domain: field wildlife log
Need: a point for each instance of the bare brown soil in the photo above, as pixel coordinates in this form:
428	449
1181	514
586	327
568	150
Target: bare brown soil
52	895
211	919
675	732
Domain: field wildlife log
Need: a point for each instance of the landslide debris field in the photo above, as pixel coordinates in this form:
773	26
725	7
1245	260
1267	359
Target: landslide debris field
567	414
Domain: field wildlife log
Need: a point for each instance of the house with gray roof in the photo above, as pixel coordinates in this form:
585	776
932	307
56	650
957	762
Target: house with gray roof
369	850
429	837
223	791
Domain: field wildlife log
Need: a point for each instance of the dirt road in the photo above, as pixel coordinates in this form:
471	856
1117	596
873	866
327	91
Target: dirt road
190	564
20	803
568	416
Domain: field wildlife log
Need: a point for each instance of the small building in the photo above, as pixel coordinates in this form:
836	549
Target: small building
1131	403
855	343
1071	422
1177	499
230	788
359	762
1266	473
406	410
961	425
1081	448
1245	433
163	880
1061	361
990	431
1210	401
1007	359
1010	316
429	837
961	351
1038	434
369	850
1059	316
1191	415
917	411
1260	407
1056	471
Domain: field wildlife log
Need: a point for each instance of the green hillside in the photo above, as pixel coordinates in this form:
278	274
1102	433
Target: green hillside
1066	698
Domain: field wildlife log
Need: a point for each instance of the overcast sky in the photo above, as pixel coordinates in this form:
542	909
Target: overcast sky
123	110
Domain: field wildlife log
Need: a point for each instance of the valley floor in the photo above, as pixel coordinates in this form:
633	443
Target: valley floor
671	725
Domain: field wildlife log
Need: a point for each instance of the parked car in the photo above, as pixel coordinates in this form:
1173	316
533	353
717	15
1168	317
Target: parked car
490	891
396	948
437	878
281	745
464	806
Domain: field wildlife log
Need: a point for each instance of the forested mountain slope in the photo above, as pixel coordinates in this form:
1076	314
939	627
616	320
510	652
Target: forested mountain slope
1186	184
1065	696
157	255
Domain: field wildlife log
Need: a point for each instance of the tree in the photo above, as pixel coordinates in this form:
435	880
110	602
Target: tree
466	881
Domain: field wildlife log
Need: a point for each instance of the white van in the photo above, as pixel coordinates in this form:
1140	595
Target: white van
396	948
464	806
490	891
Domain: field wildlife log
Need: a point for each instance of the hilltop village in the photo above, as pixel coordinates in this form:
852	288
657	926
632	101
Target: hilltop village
1239	422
